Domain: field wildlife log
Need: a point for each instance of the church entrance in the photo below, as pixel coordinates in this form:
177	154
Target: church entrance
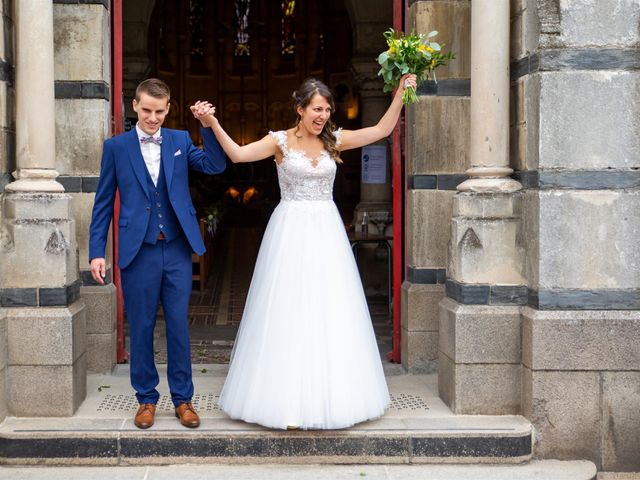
246	57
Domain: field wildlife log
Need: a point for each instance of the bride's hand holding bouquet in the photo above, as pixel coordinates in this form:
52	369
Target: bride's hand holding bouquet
410	54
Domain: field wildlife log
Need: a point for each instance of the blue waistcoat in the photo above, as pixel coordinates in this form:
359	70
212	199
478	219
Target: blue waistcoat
162	218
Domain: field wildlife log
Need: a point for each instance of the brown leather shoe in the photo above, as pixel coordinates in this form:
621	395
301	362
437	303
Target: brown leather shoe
144	415
187	415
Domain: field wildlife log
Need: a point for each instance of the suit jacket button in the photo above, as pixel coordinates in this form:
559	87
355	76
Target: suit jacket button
148	209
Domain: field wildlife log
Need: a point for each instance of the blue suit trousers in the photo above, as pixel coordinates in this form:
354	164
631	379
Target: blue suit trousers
159	273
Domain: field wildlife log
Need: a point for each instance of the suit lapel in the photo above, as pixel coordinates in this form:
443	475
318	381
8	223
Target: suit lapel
137	162
167	158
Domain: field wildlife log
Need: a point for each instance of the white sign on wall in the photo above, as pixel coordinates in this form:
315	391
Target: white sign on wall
374	164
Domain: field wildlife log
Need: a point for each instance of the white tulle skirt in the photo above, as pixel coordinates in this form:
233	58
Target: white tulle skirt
306	354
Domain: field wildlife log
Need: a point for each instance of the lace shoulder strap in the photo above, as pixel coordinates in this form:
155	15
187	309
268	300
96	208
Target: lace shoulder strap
338	135
281	139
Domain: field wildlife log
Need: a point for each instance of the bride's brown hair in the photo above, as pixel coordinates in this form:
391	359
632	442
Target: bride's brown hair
302	97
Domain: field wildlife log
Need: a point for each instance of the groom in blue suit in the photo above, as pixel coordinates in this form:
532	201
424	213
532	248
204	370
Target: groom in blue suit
158	230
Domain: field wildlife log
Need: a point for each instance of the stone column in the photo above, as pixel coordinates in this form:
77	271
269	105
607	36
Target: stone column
45	321
490	169
35	104
479	344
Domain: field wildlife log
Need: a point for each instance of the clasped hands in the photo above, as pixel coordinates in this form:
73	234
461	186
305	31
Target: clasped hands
203	111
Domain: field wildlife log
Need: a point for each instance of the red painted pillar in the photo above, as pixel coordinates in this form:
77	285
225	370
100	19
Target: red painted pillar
116	128
398	213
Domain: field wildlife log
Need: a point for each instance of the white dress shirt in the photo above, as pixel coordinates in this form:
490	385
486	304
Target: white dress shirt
151	154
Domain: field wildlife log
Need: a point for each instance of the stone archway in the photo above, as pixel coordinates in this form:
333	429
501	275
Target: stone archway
366	22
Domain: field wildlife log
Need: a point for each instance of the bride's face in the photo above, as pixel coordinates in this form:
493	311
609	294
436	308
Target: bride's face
314	116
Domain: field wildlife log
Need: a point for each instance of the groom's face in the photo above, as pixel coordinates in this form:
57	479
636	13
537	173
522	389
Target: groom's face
151	112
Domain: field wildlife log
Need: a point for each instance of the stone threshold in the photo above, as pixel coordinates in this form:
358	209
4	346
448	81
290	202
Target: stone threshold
417	428
105	443
534	470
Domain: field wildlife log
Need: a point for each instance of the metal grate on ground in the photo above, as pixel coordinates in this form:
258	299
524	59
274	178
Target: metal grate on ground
205	402
208	402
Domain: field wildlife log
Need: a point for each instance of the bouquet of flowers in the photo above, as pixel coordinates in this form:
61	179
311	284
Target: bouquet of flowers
211	218
412	53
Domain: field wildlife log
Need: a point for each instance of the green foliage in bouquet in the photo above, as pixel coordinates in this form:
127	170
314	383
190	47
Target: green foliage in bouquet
212	215
412	53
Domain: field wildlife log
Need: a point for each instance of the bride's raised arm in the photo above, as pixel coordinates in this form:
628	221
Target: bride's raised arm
364	136
252	152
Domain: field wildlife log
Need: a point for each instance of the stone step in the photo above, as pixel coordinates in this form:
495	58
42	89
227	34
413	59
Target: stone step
535	470
457	439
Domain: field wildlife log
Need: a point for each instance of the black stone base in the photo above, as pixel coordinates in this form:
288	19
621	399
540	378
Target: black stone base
169	447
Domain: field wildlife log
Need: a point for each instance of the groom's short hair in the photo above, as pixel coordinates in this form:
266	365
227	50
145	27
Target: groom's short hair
153	87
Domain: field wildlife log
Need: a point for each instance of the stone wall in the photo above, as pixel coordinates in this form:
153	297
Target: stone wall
575	146
437	157
542	317
83	77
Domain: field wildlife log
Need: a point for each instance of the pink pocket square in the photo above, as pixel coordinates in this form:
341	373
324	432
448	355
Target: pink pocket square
178	152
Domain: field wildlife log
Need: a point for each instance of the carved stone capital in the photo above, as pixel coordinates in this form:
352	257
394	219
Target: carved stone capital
365	73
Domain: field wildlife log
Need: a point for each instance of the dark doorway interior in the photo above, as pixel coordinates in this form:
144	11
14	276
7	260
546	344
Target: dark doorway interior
247	57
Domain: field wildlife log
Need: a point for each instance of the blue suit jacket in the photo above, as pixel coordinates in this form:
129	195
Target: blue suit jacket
123	168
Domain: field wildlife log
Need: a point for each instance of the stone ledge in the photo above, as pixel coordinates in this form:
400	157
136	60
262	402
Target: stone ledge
114	446
528	179
573	299
579	179
558	299
79	184
577	59
449	87
485	294
426	276
441	181
65	89
40	297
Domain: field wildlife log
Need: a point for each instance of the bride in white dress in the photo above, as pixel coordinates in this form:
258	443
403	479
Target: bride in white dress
306	355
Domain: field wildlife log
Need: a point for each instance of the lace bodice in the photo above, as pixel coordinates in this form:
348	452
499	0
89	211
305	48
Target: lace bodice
299	179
